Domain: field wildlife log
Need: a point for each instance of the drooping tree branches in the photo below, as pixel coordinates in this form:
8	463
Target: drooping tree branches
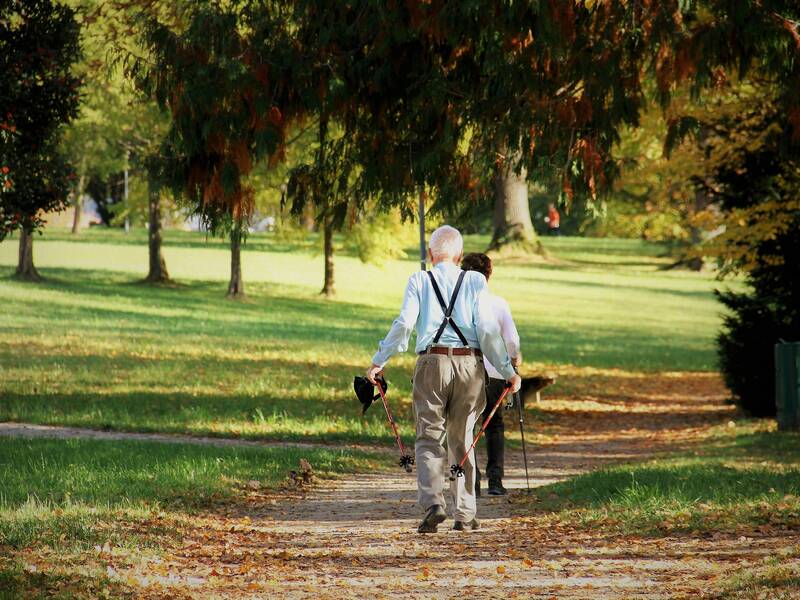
440	95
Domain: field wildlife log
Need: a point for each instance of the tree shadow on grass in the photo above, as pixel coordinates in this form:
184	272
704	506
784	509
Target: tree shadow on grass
290	314
198	308
266	418
78	474
574	282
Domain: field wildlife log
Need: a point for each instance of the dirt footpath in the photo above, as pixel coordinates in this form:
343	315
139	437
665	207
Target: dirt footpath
356	537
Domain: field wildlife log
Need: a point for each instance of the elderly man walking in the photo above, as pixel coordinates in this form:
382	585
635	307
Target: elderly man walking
451	312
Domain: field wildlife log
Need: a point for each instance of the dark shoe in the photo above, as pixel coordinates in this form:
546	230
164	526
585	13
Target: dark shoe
462	526
496	488
433	517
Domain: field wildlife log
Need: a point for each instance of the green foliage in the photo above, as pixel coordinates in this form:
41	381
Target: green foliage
750	173
229	106
622	217
38	46
746	352
381	236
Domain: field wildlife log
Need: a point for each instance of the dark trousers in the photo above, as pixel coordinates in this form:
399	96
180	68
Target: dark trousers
495	430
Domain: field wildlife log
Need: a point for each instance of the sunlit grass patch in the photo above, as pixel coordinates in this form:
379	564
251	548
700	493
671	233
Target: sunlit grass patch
740	480
62	491
92	347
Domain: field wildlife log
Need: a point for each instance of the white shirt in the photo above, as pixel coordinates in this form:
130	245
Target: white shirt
472	313
508	330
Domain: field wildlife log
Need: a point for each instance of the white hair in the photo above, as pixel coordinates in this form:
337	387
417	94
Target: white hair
446	242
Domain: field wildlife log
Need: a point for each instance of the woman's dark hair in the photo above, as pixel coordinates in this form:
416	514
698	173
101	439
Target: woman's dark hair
477	261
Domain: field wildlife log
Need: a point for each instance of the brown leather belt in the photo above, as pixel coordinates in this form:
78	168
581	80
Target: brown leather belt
453	351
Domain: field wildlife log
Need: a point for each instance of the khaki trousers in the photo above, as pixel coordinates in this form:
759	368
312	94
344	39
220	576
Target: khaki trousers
448	397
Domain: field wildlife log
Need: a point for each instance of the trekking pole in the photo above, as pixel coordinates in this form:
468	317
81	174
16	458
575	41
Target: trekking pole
458	470
522	435
406	460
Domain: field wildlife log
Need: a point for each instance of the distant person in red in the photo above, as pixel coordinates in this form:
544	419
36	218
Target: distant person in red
553	220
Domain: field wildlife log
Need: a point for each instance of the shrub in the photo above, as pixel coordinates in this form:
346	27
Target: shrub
769	312
745	349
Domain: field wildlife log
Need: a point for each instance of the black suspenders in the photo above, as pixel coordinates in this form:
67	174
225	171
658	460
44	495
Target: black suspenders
448	310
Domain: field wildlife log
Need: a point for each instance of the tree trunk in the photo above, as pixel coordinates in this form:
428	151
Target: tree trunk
328	288
695	263
307	221
158	266
685	258
76	219
236	285
25	269
512	216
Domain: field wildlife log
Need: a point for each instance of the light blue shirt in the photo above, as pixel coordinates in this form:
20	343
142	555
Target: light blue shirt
472	313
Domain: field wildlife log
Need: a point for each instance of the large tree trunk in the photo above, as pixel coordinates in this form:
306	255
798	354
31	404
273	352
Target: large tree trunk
328	288
512	217
158	266
25	269
236	285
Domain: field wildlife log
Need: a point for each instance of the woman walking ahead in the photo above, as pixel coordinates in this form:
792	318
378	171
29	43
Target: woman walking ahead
495	384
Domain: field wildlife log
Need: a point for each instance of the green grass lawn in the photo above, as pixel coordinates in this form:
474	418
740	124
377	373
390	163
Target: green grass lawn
95	348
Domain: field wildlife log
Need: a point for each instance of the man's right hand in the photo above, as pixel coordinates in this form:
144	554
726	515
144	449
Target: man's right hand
516	383
373	372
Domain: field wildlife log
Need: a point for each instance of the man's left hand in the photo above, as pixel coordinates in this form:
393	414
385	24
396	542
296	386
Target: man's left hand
373	372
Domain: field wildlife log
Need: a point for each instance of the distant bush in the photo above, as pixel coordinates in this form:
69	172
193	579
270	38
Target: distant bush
381	236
